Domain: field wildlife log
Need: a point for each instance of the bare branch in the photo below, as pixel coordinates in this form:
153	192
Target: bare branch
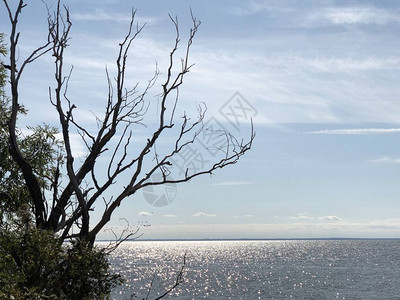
179	279
126	234
124	165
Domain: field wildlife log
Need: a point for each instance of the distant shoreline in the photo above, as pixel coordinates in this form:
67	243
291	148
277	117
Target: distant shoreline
250	239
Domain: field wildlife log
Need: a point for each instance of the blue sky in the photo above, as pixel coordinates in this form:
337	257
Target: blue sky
322	77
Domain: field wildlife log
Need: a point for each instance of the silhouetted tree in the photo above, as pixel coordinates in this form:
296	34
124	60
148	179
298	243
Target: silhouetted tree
47	196
62	205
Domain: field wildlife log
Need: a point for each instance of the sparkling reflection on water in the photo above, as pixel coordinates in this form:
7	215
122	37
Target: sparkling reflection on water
260	269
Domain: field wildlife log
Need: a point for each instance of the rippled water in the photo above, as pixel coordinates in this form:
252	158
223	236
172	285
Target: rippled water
261	269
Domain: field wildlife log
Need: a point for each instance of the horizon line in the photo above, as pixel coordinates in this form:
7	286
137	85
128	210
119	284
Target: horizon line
257	239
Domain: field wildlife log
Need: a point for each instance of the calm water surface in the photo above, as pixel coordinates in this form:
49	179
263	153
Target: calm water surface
260	269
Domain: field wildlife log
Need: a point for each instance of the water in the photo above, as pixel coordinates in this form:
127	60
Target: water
260	269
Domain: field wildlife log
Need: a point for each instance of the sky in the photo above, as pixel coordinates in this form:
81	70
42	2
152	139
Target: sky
318	78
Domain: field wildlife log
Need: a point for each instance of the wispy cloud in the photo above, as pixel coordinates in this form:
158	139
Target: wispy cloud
387	160
301	217
77	145
203	214
245	216
330	218
100	15
321	15
334	63
345	64
354	92
254	7
358	131
170	216
145	213
357	15
311	99
323	218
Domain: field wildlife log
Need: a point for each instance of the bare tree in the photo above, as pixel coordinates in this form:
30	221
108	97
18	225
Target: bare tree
73	199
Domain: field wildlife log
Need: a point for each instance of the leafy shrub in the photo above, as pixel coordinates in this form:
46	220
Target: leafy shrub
33	265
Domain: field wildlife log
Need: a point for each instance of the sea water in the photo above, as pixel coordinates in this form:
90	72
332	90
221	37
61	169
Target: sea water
295	269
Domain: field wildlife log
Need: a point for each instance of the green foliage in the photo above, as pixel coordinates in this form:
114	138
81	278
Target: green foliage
86	273
41	148
3	52
43	151
25	260
33	265
12	188
13	191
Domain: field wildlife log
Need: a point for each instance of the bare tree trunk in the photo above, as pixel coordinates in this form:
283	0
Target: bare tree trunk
26	168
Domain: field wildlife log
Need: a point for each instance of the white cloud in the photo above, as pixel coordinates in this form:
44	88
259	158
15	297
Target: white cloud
254	7
145	213
348	15
386	159
284	86
320	14
77	146
359	15
334	63
100	15
330	218
391	220
353	93
323	218
301	217
344	64
358	131
170	216
202	214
